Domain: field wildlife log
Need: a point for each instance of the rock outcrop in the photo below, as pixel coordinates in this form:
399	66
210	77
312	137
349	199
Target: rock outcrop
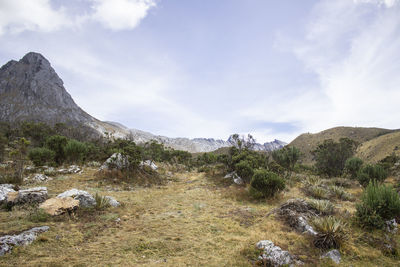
116	161
58	206
274	256
85	199
8	242
32	196
4	190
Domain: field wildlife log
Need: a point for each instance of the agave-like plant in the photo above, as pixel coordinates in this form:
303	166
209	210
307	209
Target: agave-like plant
324	207
317	192
312	180
339	192
330	232
101	202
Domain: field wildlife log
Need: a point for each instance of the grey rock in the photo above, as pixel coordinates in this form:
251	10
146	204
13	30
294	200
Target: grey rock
85	199
70	170
8	242
149	163
112	201
391	226
274	255
39	177
334	255
235	178
296	213
116	161
4	190
31	195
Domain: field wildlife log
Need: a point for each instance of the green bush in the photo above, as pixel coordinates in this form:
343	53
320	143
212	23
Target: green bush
244	170
75	151
370	173
353	166
379	203
266	183
57	143
331	156
287	158
41	156
3	143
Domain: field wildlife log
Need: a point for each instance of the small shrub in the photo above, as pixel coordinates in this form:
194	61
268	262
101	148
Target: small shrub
244	170
312	181
266	183
75	151
353	166
330	232
379	203
324	207
57	144
41	156
370	173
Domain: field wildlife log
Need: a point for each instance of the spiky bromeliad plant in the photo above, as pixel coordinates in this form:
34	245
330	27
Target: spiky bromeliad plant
330	232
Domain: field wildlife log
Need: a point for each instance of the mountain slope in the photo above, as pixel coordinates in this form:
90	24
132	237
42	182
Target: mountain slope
378	148
31	90
308	142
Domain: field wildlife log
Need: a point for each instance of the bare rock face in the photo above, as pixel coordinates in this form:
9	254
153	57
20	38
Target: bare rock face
58	206
116	161
8	242
85	199
334	255
112	201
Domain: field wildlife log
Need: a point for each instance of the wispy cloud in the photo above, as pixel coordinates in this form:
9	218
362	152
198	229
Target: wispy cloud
17	16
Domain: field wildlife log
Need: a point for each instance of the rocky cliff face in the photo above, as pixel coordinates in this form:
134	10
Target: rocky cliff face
31	90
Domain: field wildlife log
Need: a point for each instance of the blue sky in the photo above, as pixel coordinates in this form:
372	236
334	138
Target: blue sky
209	68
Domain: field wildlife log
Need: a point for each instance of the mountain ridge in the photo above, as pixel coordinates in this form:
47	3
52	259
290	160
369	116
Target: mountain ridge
31	90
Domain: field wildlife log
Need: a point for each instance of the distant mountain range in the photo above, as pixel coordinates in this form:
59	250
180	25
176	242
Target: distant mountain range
31	90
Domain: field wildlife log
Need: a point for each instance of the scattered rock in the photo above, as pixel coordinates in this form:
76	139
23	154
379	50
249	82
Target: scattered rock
149	163
391	226
31	195
8	242
39	177
58	206
49	170
116	161
29	168
235	177
296	212
94	164
274	255
4	190
334	255
112	201
85	199
70	170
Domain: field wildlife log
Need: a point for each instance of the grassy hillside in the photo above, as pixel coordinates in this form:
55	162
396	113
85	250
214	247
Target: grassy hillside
378	148
308	142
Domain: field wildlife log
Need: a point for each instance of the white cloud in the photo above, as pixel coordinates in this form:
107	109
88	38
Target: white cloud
354	50
387	3
20	15
39	15
121	14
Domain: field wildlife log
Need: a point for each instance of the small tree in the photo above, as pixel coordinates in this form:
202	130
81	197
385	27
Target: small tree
57	143
287	158
244	170
18	155
266	184
331	156
243	143
353	166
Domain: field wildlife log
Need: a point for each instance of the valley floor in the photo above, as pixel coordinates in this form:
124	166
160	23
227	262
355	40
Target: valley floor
193	220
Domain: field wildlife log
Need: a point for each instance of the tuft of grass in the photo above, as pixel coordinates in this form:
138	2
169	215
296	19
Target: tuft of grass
317	192
38	215
101	202
330	232
339	192
324	207
312	181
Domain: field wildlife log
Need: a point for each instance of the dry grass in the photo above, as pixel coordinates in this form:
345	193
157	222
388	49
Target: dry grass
378	148
191	221
308	142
